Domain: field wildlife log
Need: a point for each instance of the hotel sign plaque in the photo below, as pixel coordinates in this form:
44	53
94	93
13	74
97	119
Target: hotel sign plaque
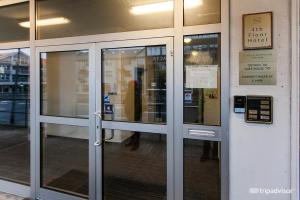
258	31
257	67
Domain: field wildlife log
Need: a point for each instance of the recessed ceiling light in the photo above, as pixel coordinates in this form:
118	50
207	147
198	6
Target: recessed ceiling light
162	7
152	8
187	40
47	22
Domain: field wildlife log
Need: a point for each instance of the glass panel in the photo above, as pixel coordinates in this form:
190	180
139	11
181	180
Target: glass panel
65	84
64	158
11	18
202	79
134	84
134	165
202	170
199	12
14	115
65	18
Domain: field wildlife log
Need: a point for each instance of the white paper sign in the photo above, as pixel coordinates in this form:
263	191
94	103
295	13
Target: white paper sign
201	76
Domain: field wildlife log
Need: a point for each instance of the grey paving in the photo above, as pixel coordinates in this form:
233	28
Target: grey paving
14	154
4	196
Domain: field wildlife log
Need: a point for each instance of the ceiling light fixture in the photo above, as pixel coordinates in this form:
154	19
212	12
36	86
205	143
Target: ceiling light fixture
11	2
162	7
194	53
187	40
47	22
152	8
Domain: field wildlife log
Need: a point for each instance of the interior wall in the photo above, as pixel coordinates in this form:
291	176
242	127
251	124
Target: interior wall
62	79
260	154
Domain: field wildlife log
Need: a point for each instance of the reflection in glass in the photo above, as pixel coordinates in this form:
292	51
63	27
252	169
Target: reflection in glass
123	16
14	115
11	15
202	170
201	12
64	158
64	84
134	165
202	79
134	84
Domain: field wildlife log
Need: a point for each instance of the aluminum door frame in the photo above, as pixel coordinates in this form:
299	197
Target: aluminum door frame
167	129
43	193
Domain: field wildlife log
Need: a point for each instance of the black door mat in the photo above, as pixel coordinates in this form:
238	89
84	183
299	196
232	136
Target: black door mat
74	181
116	188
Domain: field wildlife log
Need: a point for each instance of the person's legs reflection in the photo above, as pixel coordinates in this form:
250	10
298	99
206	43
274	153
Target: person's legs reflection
134	142
206	151
210	151
215	151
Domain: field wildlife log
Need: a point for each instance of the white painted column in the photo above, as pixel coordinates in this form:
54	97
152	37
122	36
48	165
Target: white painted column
260	155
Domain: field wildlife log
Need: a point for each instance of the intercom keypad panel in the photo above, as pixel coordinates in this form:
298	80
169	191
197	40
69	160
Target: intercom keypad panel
259	109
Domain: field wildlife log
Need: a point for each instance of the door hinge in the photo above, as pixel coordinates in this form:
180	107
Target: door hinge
172	53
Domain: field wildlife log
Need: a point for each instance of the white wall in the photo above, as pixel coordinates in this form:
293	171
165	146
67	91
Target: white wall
260	154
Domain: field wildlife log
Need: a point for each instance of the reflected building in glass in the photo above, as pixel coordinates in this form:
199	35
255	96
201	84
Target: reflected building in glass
14	115
14	87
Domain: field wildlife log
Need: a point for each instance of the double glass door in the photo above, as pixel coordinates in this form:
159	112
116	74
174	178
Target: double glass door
105	120
106	124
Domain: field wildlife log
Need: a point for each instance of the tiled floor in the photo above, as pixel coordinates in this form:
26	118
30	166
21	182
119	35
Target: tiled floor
4	196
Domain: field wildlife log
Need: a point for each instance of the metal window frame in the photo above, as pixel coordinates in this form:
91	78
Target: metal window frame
177	32
44	193
6	185
180	128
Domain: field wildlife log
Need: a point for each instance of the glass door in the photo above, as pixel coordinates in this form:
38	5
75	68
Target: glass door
134	119
65	152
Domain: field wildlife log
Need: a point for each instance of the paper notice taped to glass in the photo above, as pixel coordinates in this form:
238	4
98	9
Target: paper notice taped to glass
201	76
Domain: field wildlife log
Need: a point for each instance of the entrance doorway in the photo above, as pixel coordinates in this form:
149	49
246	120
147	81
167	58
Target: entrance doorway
107	119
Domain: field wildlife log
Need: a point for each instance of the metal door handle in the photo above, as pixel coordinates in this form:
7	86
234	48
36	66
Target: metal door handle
99	115
97	143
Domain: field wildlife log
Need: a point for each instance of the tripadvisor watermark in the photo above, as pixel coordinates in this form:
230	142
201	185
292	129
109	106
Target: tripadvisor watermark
268	191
